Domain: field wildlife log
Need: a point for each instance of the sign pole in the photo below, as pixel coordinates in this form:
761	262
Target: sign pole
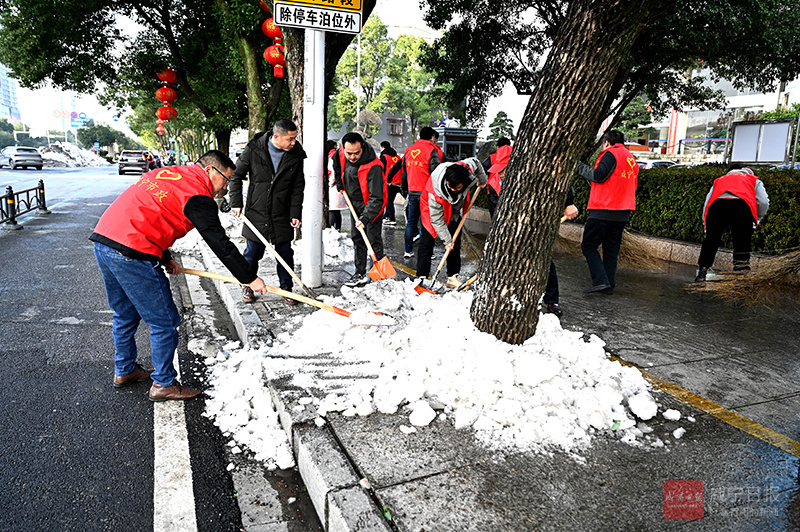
314	144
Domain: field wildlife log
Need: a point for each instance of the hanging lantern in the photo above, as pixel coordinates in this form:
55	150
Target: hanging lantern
274	56
166	112
271	29
168	75
160	122
263	5
165	94
160	130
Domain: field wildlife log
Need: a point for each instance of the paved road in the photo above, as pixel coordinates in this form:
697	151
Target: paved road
77	453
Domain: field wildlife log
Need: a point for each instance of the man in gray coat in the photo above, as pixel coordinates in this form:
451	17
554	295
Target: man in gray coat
274	162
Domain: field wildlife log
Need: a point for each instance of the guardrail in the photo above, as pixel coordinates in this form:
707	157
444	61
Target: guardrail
13	204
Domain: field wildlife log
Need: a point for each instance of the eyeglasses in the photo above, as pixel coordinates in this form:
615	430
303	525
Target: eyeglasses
227	179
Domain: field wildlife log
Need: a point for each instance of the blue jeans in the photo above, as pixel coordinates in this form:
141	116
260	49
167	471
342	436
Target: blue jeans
412	222
138	290
254	252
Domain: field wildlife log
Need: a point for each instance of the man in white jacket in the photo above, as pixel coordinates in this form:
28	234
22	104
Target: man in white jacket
442	205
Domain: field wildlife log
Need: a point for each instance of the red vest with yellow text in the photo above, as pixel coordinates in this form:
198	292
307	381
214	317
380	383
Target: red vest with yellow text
740	185
425	210
363	173
418	164
618	192
148	216
391	160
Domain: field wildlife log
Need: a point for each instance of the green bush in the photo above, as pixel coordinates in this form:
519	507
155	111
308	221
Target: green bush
669	204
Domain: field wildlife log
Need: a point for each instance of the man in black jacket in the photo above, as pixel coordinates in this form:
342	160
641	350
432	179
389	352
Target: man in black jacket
274	162
359	172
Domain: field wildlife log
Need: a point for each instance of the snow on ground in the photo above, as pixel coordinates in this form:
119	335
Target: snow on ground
66	154
556	391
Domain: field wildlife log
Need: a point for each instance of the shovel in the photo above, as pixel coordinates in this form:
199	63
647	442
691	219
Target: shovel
421	289
381	269
367	318
271	249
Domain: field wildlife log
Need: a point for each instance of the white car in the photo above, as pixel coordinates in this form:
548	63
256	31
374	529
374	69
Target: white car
21	156
646	165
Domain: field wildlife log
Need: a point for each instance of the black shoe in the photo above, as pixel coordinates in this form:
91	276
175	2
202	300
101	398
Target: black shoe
598	288
552	308
357	279
701	275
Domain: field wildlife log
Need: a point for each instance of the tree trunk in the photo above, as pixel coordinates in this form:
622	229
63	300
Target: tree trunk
592	45
223	140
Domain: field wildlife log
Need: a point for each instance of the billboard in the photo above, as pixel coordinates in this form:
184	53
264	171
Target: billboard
763	142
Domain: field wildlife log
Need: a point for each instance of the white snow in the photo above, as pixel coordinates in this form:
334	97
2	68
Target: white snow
671	414
680	431
67	154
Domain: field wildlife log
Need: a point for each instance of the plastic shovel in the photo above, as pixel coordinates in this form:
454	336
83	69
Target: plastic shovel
367	318
381	269
421	289
271	249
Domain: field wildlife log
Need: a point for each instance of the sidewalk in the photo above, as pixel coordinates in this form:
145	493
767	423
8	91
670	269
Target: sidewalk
442	479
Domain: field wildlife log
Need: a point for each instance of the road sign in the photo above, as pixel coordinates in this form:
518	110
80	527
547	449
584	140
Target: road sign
303	15
347	5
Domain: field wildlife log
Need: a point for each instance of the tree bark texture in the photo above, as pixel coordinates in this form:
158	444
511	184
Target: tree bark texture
562	116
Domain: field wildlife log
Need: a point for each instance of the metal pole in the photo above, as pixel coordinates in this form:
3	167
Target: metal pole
796	138
314	146
358	81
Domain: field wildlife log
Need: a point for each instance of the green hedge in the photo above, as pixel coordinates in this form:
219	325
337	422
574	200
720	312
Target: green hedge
669	204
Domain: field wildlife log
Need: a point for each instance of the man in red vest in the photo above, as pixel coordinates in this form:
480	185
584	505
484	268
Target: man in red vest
612	199
737	201
419	160
389	158
495	182
131	245
359	172
443	203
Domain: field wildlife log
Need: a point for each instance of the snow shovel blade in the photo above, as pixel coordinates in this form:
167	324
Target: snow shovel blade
422	290
370	318
382	269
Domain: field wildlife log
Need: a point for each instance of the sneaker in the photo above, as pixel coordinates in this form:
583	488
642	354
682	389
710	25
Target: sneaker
408	254
138	374
700	277
248	296
173	392
357	279
389	222
552	308
453	281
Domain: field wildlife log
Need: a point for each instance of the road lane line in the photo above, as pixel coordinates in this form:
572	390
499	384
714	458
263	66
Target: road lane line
733	419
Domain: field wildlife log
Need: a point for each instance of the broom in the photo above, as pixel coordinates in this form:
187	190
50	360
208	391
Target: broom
633	252
770	283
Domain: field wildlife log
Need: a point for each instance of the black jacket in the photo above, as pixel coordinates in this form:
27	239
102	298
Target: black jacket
273	199
350	183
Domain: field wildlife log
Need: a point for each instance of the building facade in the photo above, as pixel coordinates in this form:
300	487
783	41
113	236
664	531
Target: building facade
9	108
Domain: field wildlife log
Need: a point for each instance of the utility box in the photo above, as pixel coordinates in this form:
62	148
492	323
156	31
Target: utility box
458	143
762	141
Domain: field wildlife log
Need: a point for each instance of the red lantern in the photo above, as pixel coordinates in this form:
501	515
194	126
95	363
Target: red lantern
271	29
165	94
168	75
263	5
160	122
274	56
160	130
166	112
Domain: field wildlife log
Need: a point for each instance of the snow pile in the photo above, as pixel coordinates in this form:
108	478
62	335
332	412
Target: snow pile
66	154
555	391
338	247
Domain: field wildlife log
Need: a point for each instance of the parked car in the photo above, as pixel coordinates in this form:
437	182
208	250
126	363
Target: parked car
646	165
16	156
132	161
786	166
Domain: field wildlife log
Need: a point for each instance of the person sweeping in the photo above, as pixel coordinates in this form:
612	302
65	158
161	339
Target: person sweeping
737	201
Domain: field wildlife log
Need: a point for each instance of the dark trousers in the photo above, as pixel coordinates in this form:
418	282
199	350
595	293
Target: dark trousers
493	198
335	220
392	193
733	214
254	252
551	291
609	235
412	222
425	252
374	232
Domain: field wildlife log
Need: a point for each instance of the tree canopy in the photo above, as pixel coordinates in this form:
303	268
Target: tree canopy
501	126
753	43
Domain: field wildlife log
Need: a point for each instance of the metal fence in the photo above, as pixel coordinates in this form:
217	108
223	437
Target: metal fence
13	204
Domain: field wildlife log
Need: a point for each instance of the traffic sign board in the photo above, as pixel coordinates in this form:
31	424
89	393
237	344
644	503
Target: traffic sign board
317	18
347	5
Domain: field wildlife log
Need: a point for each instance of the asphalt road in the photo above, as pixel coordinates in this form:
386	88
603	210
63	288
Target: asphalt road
78	454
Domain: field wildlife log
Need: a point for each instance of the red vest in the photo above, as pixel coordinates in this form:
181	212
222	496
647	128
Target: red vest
740	185
148	216
618	192
425	210
391	160
363	172
418	164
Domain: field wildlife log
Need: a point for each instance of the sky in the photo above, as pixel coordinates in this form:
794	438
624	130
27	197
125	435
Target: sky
39	107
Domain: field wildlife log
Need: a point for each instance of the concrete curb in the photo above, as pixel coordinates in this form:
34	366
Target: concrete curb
332	482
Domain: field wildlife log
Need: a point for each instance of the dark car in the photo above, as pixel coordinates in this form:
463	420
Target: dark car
132	161
21	156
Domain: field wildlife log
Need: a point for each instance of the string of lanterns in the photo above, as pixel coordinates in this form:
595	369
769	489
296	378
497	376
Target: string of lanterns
274	54
166	94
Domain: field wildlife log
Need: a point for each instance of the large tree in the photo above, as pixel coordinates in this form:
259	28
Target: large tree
592	46
754	43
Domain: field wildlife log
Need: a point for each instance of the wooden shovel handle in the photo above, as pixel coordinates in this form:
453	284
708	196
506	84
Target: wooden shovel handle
360	229
458	230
